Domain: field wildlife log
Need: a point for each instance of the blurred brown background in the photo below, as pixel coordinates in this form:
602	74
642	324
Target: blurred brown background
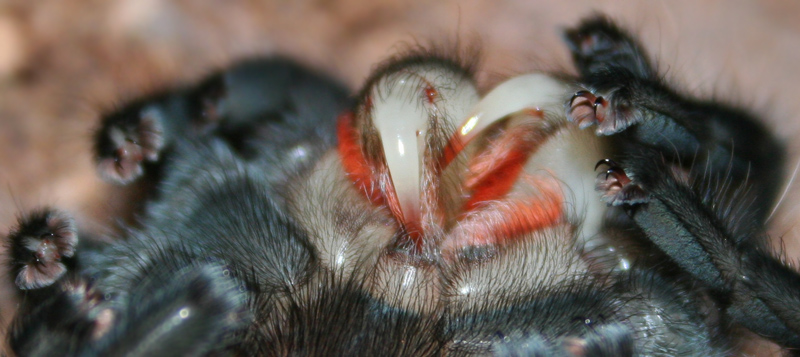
63	61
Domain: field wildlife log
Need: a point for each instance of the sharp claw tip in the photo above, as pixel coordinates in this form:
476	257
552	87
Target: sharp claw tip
608	162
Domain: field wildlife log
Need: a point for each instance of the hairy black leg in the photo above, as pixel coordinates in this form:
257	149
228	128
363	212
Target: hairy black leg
58	310
271	106
41	247
265	110
672	216
189	312
758	291
144	130
61	322
609	61
767	298
622	94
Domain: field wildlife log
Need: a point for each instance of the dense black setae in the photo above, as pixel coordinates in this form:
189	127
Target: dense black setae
287	219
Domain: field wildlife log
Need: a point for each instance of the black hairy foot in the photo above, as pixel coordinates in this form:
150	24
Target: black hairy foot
612	67
126	140
587	108
616	188
598	44
39	246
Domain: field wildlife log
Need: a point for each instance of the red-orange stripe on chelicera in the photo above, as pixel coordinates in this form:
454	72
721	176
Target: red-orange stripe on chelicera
493	173
499	221
542	211
354	162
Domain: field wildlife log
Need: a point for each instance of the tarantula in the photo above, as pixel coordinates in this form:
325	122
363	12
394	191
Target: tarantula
421	218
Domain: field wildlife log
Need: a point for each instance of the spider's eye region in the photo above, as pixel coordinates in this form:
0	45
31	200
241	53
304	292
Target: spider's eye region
445	162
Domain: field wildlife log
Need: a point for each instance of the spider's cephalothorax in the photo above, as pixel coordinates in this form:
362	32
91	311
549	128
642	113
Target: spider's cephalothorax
423	218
